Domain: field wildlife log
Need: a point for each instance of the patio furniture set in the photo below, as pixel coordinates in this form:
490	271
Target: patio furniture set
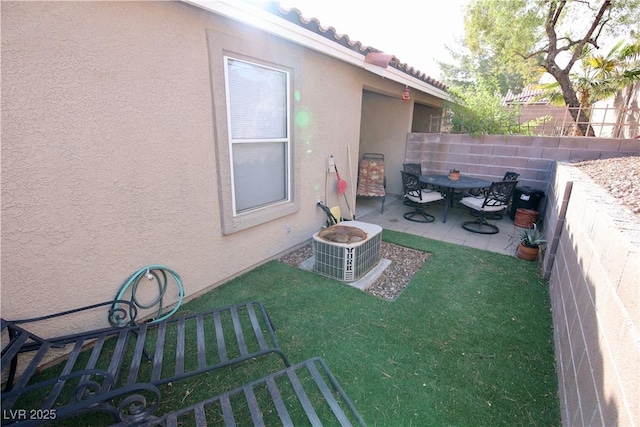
118	370
485	199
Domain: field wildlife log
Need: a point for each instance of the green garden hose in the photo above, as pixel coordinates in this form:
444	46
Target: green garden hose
150	272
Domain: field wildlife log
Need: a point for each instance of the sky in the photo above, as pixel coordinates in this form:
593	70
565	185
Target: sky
415	31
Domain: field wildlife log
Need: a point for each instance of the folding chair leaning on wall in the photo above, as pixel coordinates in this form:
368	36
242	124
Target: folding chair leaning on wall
372	181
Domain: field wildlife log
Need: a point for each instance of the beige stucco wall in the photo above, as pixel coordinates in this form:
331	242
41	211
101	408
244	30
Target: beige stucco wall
384	130
113	148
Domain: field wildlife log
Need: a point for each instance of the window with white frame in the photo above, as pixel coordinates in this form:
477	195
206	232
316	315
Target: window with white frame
258	119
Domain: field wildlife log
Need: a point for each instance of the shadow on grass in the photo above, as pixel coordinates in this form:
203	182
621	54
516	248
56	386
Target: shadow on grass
469	341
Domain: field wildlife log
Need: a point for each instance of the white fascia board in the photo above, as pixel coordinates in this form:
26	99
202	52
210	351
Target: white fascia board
254	16
408	80
248	14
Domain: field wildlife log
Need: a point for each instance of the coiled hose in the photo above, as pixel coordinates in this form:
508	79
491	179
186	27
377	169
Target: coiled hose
150	272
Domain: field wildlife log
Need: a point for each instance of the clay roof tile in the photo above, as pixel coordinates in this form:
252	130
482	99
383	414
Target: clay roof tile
294	16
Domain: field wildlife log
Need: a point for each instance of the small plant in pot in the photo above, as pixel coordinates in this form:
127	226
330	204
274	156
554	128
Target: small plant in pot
529	242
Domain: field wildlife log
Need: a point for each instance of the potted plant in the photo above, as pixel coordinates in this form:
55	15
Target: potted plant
529	242
454	174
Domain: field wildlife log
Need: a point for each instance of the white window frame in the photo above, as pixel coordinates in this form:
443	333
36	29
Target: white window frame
286	139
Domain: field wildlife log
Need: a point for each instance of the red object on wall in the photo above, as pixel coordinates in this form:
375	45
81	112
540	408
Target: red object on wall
405	94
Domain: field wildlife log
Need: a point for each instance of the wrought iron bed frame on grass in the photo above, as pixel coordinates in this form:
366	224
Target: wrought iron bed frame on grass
238	333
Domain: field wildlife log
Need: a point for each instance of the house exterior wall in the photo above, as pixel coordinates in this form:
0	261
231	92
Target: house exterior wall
608	119
424	119
558	120
114	152
620	115
384	130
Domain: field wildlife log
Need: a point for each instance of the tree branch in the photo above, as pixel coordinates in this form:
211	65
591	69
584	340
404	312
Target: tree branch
594	40
587	37
556	12
550	26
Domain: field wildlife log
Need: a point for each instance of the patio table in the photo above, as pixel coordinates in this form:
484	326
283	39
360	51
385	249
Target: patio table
449	185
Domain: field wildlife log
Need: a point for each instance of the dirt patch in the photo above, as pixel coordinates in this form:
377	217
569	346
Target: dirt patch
405	263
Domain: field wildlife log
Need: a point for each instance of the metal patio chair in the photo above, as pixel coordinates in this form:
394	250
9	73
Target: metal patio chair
495	199
418	197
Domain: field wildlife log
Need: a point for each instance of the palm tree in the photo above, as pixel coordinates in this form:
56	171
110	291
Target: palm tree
630	83
600	77
619	69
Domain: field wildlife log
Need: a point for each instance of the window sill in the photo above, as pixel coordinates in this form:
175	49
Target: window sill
256	217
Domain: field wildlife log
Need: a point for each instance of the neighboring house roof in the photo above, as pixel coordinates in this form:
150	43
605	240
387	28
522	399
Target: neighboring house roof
529	95
289	24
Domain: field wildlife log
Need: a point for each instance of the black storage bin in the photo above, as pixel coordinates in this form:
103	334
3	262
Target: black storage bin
526	198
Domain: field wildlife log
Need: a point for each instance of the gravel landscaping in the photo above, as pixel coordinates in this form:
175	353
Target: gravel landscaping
619	176
405	263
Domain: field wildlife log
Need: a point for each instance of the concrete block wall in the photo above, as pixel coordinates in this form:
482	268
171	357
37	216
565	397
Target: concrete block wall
592	262
490	156
594	279
558	195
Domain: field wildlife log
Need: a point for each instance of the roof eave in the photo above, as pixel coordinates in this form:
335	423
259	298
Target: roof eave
263	20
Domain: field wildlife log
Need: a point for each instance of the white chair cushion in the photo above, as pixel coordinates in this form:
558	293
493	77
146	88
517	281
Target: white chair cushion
427	197
476	204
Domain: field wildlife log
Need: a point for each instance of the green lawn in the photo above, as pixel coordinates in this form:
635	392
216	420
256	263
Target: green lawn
469	341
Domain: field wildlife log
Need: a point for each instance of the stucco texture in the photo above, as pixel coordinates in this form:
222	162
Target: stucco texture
101	169
113	149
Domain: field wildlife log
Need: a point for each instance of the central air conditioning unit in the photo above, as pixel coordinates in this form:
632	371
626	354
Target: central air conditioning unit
354	253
